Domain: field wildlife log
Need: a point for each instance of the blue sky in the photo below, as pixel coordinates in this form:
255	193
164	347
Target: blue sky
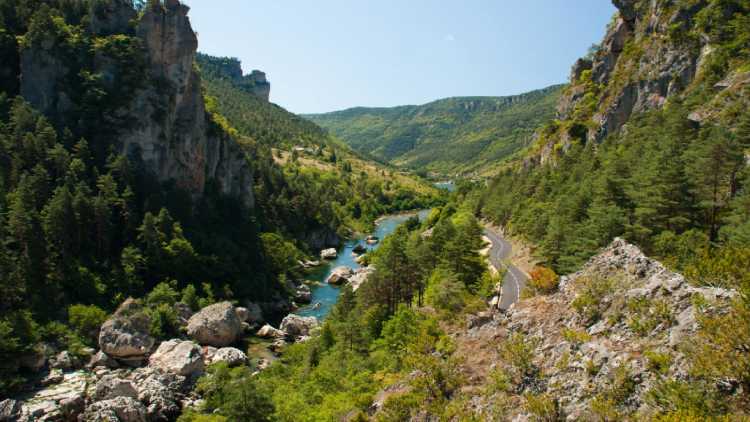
328	55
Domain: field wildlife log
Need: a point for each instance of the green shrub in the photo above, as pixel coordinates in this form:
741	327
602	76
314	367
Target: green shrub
233	393
518	351
574	336
164	323
542	407
658	362
589	303
647	314
86	321
163	293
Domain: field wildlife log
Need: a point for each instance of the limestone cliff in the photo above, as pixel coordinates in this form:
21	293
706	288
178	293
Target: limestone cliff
653	52
229	68
161	117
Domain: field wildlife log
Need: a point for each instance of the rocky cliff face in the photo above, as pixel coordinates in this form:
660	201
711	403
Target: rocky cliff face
261	86
653	51
173	135
164	121
229	68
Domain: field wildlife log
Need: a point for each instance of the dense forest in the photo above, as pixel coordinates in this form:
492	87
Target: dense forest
455	135
677	191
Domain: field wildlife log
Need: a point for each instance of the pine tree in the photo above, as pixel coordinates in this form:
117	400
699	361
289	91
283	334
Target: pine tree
713	161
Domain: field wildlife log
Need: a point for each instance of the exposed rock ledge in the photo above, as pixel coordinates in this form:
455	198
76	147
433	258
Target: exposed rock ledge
642	308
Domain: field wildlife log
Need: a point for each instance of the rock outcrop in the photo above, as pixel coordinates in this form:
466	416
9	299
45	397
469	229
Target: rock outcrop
653	51
255	83
161	120
125	335
215	325
606	324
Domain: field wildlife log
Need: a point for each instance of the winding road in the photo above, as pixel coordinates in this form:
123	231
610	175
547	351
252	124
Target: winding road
515	279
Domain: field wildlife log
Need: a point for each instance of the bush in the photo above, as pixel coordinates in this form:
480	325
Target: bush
518	351
647	314
658	362
232	393
589	301
86	321
543	407
163	321
163	293
543	281
576	337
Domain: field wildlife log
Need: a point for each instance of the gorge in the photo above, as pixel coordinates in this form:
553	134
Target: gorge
176	247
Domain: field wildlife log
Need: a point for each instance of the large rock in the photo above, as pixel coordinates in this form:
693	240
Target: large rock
231	356
328	253
340	275
120	409
10	410
178	357
254	313
102	360
36	359
65	361
242	313
126	333
216	325
303	294
298	326
267	331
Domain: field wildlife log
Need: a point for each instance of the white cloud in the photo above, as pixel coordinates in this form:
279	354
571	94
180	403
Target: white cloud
450	38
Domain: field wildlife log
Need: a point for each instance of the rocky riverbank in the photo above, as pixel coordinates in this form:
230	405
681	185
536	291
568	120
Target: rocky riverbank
134	377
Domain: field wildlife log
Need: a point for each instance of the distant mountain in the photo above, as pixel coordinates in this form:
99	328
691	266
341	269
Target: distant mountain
453	135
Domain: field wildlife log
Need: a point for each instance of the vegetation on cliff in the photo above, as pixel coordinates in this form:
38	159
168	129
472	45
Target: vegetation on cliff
674	180
86	223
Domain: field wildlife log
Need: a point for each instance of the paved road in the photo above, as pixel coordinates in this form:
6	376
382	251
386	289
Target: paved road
515	279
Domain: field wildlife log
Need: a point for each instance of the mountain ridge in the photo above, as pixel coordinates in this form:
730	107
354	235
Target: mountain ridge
449	135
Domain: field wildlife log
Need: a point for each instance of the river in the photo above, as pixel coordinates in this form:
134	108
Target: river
326	294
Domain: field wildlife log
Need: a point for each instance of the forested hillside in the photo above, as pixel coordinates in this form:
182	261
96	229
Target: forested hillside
121	177
454	135
662	164
298	164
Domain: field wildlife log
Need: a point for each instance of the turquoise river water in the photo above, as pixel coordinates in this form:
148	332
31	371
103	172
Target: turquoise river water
326	294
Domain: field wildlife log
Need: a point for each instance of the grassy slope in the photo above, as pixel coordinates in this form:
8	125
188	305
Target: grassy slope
454	135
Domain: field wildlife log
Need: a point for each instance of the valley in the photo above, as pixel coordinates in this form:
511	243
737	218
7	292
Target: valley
174	246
